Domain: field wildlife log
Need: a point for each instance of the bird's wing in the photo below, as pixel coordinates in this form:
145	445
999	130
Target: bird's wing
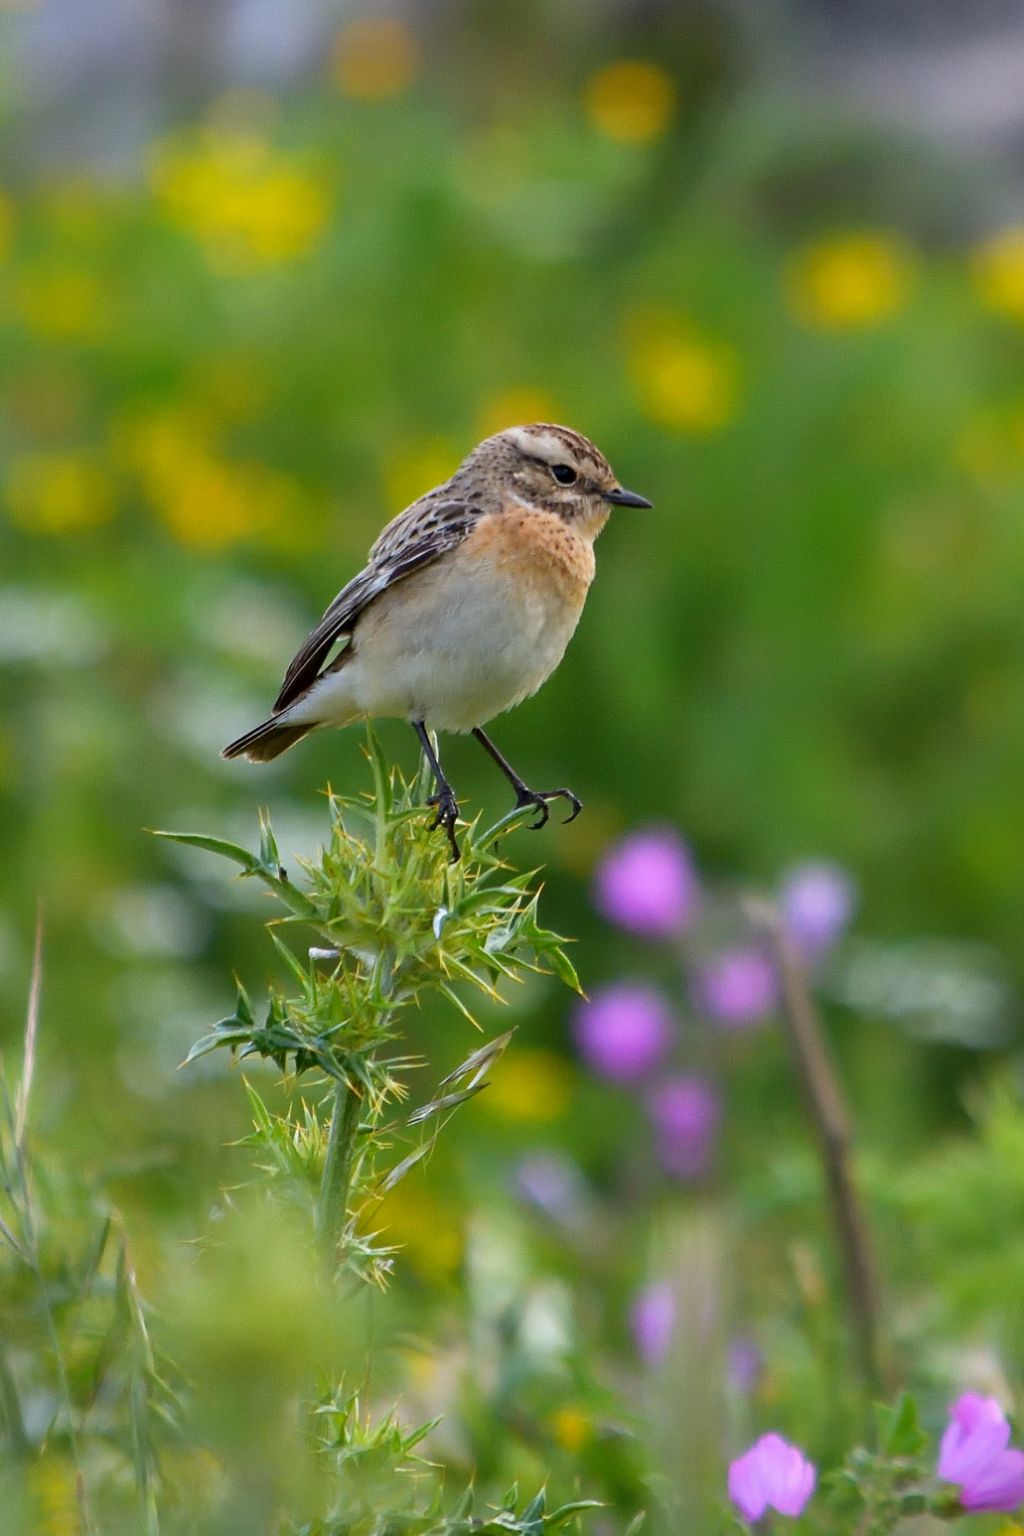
417	537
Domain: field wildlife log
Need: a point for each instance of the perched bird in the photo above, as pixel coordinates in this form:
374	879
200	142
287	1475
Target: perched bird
465	607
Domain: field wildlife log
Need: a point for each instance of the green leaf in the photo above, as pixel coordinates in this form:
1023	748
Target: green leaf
219	845
465	1505
532	1519
269	856
566	1511
563	968
899	1429
382	789
290	959
209	1043
269	872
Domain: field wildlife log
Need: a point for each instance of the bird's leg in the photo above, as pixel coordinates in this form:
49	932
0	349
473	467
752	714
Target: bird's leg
525	795
444	800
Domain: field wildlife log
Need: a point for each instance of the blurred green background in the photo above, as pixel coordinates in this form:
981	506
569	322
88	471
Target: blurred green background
244	320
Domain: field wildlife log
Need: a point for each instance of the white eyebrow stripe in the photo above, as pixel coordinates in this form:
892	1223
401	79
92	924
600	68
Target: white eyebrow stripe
540	445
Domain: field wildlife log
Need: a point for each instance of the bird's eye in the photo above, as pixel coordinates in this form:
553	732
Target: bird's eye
563	473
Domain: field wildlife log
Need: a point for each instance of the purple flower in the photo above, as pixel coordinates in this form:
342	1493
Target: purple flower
975	1453
685	1112
647	883
772	1473
737	988
743	1365
552	1183
623	1031
651	1320
816	901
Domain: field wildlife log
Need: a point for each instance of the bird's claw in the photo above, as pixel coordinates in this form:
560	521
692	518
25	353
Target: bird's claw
540	799
447	808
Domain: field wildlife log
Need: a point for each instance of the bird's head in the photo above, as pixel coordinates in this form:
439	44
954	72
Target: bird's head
552	469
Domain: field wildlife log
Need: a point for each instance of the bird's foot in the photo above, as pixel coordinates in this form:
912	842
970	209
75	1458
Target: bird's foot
540	798
447	808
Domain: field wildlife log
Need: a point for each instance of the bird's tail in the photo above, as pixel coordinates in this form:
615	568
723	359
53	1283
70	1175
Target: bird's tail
267	741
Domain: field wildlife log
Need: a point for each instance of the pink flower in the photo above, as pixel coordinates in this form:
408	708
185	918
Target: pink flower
623	1031
685	1111
647	883
738	988
743	1365
975	1454
772	1473
652	1318
817	901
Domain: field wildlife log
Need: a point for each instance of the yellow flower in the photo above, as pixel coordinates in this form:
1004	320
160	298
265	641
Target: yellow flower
374	58
630	101
684	382
60	492
247	207
213	503
429	1234
513	408
202	506
850	282
154	443
54	1497
6	224
529	1085
61	303
205	500
998	271
571	1428
417	468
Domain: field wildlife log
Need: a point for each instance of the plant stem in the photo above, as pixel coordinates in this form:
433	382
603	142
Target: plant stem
332	1201
831	1121
13	1420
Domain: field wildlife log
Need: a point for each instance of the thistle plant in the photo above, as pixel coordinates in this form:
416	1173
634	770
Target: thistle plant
378	922
385	920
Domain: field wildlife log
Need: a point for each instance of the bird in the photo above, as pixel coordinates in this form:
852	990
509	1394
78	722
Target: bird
465	607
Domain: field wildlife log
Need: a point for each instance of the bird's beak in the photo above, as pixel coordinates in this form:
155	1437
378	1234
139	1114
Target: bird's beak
621	498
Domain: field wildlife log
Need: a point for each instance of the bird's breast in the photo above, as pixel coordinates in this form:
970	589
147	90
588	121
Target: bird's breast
479	630
536	550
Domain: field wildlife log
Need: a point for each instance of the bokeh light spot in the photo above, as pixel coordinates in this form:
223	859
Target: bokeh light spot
850	282
515	407
59	493
375	58
997	269
630	101
247	206
684	382
417	468
530	1085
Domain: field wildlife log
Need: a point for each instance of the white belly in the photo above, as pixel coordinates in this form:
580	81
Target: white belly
451	649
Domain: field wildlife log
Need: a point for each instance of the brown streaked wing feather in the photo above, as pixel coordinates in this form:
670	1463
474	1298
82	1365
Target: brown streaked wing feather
414	539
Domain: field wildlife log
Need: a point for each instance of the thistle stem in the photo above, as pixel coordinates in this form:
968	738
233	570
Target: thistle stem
332	1201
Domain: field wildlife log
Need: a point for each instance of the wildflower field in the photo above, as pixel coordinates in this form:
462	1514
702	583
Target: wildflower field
663	1171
